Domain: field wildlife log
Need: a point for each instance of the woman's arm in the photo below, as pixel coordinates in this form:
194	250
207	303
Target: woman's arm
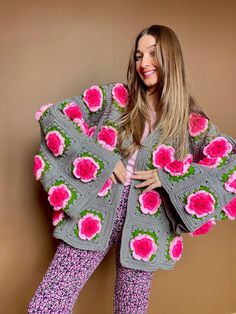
207	187
71	164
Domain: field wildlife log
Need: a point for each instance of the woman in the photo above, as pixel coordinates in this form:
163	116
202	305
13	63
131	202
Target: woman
130	164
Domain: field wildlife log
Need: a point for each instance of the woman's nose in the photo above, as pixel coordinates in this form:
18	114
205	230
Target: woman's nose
146	60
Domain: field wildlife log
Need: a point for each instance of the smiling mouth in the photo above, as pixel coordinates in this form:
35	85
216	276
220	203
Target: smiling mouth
149	73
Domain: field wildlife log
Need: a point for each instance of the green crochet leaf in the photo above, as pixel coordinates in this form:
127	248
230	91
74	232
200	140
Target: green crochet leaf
226	176
190	172
63	104
76	231
47	165
117	106
84	212
152	257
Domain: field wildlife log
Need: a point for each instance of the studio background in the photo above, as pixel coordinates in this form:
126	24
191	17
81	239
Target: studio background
51	50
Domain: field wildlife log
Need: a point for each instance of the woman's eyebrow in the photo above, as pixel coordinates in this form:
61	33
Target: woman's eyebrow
148	47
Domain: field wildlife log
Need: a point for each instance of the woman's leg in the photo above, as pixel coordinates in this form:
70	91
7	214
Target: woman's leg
67	274
132	289
132	286
69	271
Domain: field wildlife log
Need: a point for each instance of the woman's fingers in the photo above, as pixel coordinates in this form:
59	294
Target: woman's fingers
151	179
151	187
113	179
120	171
142	175
145	183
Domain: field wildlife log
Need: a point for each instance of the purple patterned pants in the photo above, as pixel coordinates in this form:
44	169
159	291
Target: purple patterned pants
71	267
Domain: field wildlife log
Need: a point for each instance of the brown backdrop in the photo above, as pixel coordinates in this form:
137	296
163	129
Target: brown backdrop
51	50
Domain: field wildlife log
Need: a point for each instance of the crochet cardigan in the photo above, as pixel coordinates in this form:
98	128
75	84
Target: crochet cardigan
78	153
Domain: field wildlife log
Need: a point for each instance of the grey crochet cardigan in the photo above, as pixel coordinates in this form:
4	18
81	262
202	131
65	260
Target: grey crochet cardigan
77	155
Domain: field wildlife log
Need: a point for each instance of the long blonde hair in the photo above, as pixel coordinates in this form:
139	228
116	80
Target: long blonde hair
175	99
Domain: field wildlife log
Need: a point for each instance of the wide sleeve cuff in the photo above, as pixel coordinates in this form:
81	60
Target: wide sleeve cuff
72	166
203	195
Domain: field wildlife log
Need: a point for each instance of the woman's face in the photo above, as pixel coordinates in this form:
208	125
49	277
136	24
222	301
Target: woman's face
146	64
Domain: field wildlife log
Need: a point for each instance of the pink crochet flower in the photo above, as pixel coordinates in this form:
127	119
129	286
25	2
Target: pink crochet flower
107	137
82	125
55	142
179	168
39	166
143	247
205	228
73	111
120	94
93	98
176	248
218	147
230	209
230	184
59	196
150	202
57	217
91	131
197	124
162	156
200	203
106	187
89	226
210	162
41	111
85	168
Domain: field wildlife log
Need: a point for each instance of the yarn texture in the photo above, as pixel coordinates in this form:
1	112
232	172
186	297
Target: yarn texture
78	153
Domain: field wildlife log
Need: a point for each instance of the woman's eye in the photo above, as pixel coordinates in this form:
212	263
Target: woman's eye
137	58
153	53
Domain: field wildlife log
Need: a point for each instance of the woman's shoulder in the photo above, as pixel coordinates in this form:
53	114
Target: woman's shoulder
201	129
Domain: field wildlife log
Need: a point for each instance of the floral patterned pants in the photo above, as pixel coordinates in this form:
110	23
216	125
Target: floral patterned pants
71	267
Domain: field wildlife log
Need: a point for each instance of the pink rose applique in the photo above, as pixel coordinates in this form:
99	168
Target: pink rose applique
39	166
197	124
179	168
59	196
200	203
91	131
41	111
106	187
73	111
120	94
162	156
230	184
107	137
85	168
230	209
93	98
89	226
55	142
176	248
83	126
218	147
205	228
57	217
143	247
150	202
210	162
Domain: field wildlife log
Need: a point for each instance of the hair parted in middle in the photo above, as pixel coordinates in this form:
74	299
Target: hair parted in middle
175	100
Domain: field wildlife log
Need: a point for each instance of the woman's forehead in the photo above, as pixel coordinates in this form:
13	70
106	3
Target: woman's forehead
146	41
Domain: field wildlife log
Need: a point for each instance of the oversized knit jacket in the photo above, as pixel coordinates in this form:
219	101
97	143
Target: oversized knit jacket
78	153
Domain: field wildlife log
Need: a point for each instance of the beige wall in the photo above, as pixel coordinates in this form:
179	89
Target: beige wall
51	50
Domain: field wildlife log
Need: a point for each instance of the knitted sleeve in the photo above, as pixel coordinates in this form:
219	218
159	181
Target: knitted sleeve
202	187
73	163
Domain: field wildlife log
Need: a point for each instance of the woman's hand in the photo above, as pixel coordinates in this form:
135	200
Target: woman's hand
120	172
151	179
